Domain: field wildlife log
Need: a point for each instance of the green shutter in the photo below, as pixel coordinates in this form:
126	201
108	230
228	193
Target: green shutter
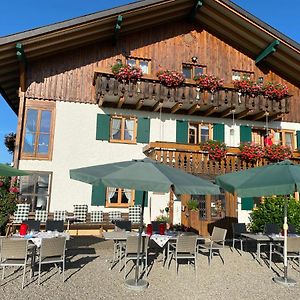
143	130
98	195
219	134
298	139
139	198
245	134
182	128
103	125
247	203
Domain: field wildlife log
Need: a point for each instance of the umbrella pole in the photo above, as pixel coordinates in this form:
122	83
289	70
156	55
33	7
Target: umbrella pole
136	283
285	280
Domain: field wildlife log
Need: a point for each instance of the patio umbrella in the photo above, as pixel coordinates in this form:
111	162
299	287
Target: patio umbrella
281	178
6	170
144	175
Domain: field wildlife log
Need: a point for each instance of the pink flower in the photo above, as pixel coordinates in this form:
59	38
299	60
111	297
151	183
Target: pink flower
1	183
14	189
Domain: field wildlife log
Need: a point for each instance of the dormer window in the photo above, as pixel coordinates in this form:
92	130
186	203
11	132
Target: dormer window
242	75
143	63
190	70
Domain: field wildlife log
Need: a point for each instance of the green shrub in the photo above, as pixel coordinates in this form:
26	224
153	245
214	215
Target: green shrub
193	204
272	211
163	218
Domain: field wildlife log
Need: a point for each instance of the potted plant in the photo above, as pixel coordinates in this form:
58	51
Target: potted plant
193	205
126	73
248	87
209	83
250	152
276	153
216	150
275	91
171	79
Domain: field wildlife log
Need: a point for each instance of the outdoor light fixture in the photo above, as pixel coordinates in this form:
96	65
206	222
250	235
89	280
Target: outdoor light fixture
194	59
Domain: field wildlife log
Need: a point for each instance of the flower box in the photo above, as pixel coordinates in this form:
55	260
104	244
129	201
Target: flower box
251	152
126	73
216	150
247	87
275	153
275	91
209	82
170	79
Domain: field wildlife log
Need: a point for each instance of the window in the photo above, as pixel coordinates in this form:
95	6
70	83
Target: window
35	189
116	197
218	206
202	205
123	129
258	135
199	133
190	71
39	129
285	137
143	63
242	75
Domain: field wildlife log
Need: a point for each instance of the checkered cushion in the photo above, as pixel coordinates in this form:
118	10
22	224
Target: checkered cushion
21	213
134	214
96	216
80	212
59	215
114	215
41	215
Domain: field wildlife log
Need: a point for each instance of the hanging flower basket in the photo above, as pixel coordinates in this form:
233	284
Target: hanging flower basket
276	153
275	91
247	87
126	73
170	79
251	152
216	150
209	82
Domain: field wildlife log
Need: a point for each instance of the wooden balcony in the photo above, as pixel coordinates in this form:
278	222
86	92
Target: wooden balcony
190	159
148	94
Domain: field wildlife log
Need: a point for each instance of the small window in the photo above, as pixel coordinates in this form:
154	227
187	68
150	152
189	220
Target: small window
190	71
218	206
117	197
258	135
285	137
35	189
143	63
202	205
242	75
39	130
200	133
123	129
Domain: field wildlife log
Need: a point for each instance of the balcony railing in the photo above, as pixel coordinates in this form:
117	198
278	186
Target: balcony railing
190	159
149	94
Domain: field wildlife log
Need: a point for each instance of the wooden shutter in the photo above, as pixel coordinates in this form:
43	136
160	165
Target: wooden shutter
245	134
182	134
298	139
139	198
219	134
143	130
99	195
103	127
247	203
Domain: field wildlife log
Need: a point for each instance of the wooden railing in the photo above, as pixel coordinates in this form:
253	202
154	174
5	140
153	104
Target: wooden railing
149	90
192	160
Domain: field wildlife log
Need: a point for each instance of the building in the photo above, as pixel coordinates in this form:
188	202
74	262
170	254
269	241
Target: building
73	112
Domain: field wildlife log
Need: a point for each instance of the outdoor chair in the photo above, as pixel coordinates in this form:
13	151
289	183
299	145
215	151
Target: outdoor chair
41	215
131	250
293	249
237	230
80	213
123	225
215	244
52	251
14	254
114	215
292	229
52	225
185	249
33	225
21	213
134	214
59	215
271	229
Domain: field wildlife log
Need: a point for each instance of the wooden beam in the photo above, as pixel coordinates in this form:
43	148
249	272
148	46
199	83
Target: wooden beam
121	101
139	104
193	109
243	113
275	117
258	116
226	112
176	107
158	105
270	49
210	111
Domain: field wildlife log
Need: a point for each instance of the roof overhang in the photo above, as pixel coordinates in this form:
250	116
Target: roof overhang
222	17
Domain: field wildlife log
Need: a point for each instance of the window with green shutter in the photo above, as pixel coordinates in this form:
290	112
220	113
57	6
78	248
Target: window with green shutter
98	195
139	198
218	132
245	134
143	130
103	127
182	133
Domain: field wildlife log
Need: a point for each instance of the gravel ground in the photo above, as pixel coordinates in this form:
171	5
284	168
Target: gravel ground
88	277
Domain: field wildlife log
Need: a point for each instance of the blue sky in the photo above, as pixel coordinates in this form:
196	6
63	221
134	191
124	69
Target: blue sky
20	15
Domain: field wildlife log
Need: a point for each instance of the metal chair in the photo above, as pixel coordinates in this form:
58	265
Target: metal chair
33	225
52	251
185	249
131	250
123	225
52	225
13	254
216	243
237	230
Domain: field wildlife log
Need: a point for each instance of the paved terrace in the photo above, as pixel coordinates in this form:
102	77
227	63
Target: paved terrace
88	277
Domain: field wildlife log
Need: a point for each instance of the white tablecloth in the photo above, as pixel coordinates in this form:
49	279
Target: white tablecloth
160	240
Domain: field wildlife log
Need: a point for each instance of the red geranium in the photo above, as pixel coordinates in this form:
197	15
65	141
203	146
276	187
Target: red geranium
209	82
126	72
276	153
216	150
251	152
170	78
276	91
247	86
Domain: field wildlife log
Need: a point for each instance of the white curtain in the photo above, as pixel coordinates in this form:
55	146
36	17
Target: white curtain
111	192
116	129
129	126
128	194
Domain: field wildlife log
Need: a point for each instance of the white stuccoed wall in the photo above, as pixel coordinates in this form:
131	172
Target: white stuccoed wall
75	146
